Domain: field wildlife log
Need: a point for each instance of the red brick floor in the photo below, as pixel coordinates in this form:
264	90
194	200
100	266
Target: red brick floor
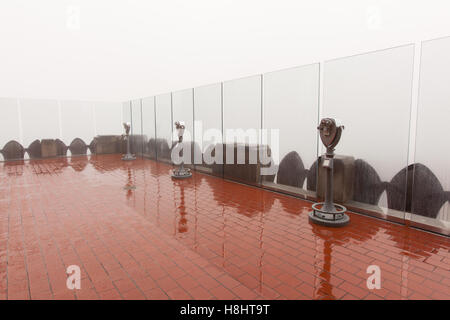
202	238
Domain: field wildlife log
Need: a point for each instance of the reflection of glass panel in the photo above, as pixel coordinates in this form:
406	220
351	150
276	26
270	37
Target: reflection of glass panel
40	120
9	121
208	119
291	99
148	127
182	110
77	121
163	126
136	127
430	203
108	118
371	94
241	123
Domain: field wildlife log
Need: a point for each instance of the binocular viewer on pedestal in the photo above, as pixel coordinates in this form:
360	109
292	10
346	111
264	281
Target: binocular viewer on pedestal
328	213
181	172
128	155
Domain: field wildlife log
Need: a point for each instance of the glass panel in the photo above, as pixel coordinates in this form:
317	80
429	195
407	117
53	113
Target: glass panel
163	127
148	127
40	120
77	121
291	106
430	192
9	122
208	128
136	128
371	94
108	118
241	123
126	111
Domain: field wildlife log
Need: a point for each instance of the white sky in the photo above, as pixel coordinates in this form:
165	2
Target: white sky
118	50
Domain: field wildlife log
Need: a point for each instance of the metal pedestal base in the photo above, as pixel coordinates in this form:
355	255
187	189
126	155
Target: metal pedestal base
331	216
181	173
128	156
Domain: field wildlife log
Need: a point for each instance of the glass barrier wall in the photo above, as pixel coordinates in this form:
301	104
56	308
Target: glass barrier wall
239	128
371	94
208	129
431	175
263	130
44	128
290	117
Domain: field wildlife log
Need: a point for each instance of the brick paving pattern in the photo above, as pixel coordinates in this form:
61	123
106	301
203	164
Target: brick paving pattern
201	238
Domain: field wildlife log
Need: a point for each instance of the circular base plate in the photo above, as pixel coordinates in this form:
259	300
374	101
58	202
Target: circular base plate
181	173
335	208
181	176
343	221
128	157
